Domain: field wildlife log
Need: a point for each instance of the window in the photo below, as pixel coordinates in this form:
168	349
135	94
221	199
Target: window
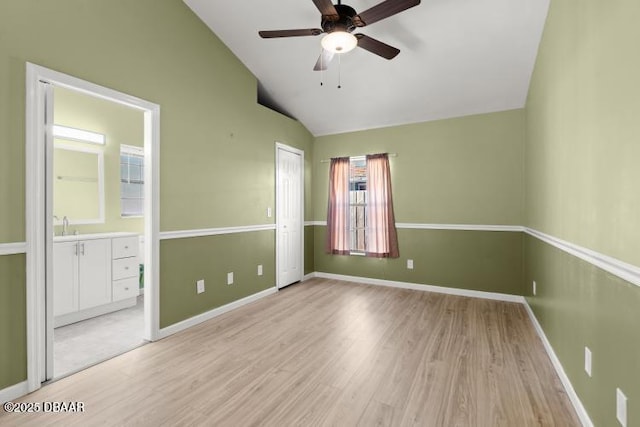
131	181
360	217
357	204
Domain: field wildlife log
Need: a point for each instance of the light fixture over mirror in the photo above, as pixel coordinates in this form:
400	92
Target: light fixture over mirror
65	132
339	42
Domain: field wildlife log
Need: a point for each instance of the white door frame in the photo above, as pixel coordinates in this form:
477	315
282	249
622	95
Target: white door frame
38	210
280	146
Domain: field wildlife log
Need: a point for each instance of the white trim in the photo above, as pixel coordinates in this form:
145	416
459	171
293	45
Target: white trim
573	396
35	208
14	248
461	227
203	317
203	232
39	81
13	392
623	270
308	276
283	147
132	150
428	288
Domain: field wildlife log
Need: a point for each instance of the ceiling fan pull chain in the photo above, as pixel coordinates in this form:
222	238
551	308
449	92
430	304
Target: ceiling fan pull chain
339	71
321	66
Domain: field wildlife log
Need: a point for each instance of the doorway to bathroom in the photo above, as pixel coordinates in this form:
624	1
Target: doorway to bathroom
92	220
97	185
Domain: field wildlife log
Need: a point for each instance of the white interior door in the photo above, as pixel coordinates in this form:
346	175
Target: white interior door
289	215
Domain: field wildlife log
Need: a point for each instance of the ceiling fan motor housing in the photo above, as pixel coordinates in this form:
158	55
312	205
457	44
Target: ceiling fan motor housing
343	23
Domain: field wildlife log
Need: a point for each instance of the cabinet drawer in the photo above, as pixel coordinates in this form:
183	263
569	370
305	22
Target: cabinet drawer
125	268
125	288
124	247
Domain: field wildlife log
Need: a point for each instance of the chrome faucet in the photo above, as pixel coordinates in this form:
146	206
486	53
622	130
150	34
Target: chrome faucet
65	225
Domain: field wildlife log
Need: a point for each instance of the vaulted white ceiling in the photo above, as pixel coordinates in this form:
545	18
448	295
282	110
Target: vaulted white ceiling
458	57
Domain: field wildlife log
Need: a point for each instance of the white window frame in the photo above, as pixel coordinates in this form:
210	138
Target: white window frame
132	151
353	229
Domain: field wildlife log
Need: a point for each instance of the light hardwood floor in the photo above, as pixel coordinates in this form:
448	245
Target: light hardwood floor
329	353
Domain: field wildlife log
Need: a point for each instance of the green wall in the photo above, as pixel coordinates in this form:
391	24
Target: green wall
120	125
217	148
13	313
309	245
183	261
582	179
582	128
486	261
466	170
578	305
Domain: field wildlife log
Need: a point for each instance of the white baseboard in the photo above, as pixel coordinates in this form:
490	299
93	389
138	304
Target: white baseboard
418	287
89	313
13	392
308	276
573	396
203	317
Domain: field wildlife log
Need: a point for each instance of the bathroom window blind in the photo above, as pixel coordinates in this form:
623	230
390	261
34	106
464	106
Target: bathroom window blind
131	181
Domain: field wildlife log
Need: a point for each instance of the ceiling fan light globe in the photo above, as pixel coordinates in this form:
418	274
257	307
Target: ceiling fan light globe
339	42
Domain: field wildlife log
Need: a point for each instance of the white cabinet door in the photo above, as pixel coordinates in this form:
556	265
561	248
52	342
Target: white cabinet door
65	278
94	272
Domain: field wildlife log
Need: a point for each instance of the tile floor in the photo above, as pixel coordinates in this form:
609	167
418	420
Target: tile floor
83	344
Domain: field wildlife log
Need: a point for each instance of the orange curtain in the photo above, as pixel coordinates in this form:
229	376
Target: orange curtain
337	241
382	238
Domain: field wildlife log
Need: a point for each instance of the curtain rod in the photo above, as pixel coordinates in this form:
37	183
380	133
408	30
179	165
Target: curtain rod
388	154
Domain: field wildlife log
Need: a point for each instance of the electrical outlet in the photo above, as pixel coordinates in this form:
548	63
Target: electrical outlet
587	360
621	407
200	286
230	278
535	286
260	270
268	212
410	264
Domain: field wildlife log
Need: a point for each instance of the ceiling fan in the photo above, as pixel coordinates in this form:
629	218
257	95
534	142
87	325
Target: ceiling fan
339	21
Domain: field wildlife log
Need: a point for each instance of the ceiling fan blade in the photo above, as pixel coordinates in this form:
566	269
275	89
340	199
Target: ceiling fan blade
290	33
327	9
383	10
323	60
377	47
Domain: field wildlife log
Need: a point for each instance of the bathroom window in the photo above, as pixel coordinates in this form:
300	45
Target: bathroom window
131	181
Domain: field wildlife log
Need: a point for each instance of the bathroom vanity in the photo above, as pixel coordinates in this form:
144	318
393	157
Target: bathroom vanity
94	274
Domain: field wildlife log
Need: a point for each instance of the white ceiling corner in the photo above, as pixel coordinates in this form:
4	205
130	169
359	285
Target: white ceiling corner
458	57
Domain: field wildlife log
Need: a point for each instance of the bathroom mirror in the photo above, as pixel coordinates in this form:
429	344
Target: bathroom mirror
78	184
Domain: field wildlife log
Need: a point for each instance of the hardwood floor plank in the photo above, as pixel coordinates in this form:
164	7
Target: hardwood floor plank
327	352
